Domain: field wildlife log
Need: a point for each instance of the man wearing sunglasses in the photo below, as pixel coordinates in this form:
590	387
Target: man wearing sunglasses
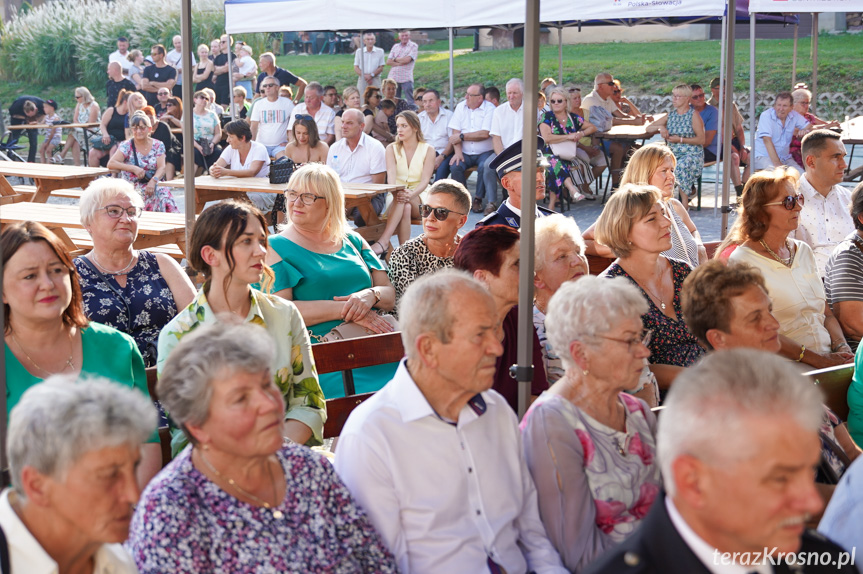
271	117
508	168
825	220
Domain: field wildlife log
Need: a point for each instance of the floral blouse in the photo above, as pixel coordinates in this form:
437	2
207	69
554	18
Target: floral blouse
186	523
293	368
594	484
148	161
672	342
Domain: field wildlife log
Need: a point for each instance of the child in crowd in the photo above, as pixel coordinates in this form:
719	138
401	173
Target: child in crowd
52	135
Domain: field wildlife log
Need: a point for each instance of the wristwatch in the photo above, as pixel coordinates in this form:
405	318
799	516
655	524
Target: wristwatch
461	137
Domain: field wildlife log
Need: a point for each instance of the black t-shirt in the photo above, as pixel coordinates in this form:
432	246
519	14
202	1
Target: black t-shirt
112	90
284	76
17	107
156	74
160	110
221	60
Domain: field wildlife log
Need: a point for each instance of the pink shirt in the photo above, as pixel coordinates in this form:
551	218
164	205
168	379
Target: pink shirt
403	73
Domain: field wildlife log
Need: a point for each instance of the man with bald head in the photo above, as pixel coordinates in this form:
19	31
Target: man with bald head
359	158
174	58
471	140
267	62
116	82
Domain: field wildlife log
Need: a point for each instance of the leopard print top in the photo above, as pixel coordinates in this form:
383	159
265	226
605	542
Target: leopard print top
411	261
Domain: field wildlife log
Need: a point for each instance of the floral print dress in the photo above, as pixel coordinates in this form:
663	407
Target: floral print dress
594	483
690	158
186	523
560	170
161	199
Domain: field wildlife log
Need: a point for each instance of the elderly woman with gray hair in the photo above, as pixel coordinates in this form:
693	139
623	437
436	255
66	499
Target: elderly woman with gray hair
73	450
589	445
242	499
134	291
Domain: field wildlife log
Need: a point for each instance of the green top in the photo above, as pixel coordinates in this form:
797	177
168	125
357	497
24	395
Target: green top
322	276
293	367
855	399
106	353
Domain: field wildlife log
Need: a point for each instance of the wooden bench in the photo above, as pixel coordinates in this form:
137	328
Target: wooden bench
164	432
82	239
28	191
345	356
597	264
706	165
834	383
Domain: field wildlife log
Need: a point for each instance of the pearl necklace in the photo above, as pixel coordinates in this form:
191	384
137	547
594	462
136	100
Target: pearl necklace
123	271
277	514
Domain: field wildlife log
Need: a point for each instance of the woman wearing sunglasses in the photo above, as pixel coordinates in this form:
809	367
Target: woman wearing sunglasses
443	213
329	271
769	212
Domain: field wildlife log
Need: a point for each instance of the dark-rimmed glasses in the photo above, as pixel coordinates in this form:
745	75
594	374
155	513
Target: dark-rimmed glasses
633	343
116	212
440	213
268	86
306	198
790	202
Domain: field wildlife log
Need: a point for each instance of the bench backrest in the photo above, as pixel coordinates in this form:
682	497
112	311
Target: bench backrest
598	264
834	383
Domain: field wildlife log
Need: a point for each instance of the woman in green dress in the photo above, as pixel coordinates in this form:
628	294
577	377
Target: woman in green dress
329	271
228	246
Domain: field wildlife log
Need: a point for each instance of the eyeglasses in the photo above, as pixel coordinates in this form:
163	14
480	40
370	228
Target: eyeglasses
170	104
697	96
116	212
78	97
556	101
790	202
166	94
616	92
612	84
473	95
140	128
440	213
268	85
633	343
306	198
303	117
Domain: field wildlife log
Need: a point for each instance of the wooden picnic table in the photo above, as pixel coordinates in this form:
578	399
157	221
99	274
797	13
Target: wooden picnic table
87	125
359	195
47	178
154	228
852	134
628	132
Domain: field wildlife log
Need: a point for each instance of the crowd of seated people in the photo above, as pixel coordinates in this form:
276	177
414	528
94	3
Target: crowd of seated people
434	472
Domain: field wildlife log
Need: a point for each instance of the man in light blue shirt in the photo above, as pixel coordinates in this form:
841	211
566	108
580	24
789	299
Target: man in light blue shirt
776	127
843	520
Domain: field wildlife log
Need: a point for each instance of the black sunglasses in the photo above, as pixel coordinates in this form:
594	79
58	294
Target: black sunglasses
440	213
790	202
303	117
610	83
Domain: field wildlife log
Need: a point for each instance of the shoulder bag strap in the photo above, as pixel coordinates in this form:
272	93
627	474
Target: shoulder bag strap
113	289
134	158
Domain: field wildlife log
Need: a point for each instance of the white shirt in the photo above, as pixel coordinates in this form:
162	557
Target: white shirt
273	120
358	165
27	555
468	121
508	124
517	211
257	153
325	118
371	61
704	551
175	59
444	497
594	99
436	132
824	221
121	59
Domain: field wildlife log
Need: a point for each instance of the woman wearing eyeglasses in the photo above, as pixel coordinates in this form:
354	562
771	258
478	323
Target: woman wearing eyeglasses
444	212
769	212
141	161
133	291
329	271
590	446
207	131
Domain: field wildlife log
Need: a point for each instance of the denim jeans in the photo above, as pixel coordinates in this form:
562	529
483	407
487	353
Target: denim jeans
457	171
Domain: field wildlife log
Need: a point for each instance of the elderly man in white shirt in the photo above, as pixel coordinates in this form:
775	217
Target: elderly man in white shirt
369	63
507	126
471	140
314	106
434	121
435	456
824	220
358	158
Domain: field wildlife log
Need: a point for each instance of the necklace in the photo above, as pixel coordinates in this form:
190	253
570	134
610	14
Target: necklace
68	362
654	295
786	262
122	271
621	447
276	513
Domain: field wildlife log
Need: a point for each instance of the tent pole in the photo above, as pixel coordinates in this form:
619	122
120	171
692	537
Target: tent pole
727	99
815	61
719	124
451	75
559	56
752	119
188	119
794	58
524	369
230	76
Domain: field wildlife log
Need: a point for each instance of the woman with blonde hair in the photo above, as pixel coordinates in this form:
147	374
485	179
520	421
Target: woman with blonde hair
410	162
136	67
351	99
654	165
329	271
86	112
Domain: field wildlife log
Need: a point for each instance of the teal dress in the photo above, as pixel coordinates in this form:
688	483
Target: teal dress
322	276
855	399
106	353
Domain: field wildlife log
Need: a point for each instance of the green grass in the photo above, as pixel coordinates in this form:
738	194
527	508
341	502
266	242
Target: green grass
652	68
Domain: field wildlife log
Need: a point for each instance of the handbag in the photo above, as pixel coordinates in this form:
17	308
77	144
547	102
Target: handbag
148	173
565	150
97	143
282	169
353	331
